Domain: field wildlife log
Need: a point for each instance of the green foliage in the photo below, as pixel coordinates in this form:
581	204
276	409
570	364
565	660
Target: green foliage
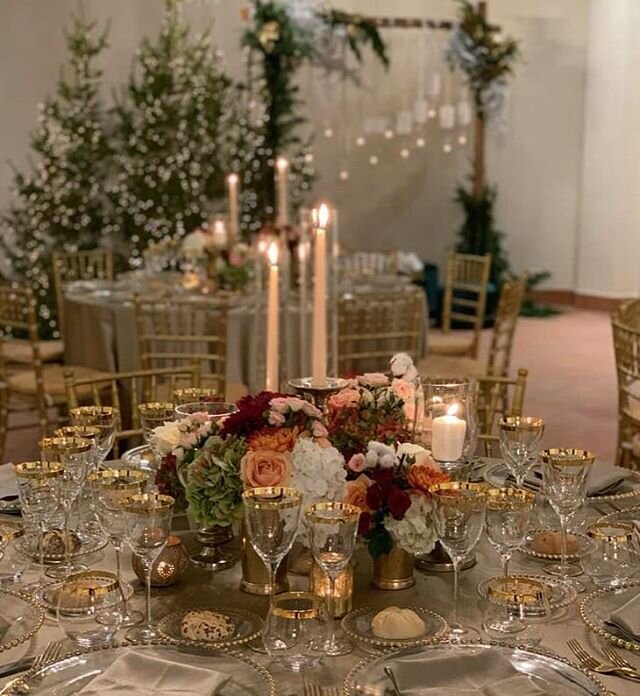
59	201
379	542
531	308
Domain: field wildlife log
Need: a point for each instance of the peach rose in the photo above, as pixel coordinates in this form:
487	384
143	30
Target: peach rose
265	468
422	476
356	493
346	398
274	439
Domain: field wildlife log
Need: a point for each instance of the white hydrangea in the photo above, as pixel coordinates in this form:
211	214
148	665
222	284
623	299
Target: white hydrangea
415	532
379	454
402	367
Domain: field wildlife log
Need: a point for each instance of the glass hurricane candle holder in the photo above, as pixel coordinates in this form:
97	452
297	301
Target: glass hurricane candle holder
320	586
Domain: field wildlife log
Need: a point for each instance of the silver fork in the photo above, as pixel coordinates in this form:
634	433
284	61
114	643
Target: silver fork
49	654
594	665
311	688
617	659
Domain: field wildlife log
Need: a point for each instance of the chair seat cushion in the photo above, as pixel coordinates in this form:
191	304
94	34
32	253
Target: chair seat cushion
450	343
24	382
20	351
444	366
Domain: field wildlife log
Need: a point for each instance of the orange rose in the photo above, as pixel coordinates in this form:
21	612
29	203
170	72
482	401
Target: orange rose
346	398
274	439
422	476
265	468
357	491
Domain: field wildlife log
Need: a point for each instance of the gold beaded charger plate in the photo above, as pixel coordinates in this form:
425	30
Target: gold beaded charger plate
528	548
560	594
246	627
73	672
49	594
554	674
596	607
357	625
21	617
28	546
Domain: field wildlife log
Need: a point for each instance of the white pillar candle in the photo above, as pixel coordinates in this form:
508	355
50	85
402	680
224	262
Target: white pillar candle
282	195
273	380
220	237
319	362
233	181
303	255
447	438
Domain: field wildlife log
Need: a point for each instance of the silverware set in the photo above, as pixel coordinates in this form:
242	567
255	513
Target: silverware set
617	666
314	689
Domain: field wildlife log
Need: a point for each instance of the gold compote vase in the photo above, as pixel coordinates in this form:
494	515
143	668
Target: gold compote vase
394	570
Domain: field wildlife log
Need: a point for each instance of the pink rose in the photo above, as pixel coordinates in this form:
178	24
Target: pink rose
357	462
346	398
276	419
265	468
279	404
373	379
319	430
405	390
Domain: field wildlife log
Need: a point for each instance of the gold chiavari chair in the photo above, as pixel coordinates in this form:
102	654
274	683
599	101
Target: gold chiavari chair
176	332
373	326
126	390
496	397
502	338
465	302
368	263
94	264
625	322
41	386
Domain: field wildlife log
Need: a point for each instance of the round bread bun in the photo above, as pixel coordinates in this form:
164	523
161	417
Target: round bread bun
550	542
397	623
54	543
206	625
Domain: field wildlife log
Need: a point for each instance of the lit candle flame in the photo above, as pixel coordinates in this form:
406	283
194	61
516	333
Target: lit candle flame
233	179
323	216
453	410
262	246
282	164
273	254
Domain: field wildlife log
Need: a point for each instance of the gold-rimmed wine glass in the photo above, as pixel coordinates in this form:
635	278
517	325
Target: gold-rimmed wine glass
148	521
39	484
191	395
106	418
111	490
458	515
75	454
333	528
565	473
520	438
272	514
152	415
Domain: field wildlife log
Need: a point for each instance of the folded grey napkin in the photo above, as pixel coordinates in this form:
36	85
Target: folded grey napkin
604	478
143	675
625	620
483	673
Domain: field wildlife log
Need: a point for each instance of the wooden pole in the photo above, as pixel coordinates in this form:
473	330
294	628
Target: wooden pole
479	137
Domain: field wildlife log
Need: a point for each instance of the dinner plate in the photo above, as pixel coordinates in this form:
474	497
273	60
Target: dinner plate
596	607
48	595
561	593
556	674
20	619
528	550
70	674
496	475
247	626
89	543
357	625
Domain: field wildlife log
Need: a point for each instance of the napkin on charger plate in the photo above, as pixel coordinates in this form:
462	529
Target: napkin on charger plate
625	620
484	673
134	674
603	479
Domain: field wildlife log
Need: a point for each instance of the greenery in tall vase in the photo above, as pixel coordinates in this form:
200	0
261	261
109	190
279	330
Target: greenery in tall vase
59	200
176	129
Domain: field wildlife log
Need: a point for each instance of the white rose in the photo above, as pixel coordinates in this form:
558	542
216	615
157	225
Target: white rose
400	364
166	437
419	454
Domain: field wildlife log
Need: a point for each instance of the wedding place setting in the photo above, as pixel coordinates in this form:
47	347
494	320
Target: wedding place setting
271	426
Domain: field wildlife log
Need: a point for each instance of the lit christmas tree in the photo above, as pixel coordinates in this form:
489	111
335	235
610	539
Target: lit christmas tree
59	201
174	137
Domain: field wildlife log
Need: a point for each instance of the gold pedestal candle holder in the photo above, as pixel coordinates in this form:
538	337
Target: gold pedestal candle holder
318	395
211	556
394	571
255	578
439	561
343	597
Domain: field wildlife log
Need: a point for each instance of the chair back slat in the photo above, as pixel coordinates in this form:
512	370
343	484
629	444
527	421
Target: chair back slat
504	329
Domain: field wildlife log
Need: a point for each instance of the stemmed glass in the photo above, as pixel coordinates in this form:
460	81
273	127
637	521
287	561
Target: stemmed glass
148	522
39	492
190	395
215	410
74	453
458	516
9	530
272	515
106	418
565	476
153	414
333	528
507	522
519	441
111	489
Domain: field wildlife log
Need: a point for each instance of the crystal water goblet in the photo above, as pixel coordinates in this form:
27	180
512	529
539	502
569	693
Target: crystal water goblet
39	486
519	441
272	515
215	410
458	515
153	414
75	454
106	418
565	474
333	528
192	395
148	521
111	490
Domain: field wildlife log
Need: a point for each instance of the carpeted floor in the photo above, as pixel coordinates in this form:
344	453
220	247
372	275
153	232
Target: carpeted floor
572	383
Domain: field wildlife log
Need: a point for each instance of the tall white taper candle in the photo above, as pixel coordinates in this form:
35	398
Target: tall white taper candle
282	194
233	181
319	362
273	380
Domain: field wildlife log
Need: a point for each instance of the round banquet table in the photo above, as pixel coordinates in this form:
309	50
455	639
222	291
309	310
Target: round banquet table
432	590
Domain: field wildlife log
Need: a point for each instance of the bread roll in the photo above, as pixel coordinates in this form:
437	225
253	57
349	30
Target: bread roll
397	623
550	542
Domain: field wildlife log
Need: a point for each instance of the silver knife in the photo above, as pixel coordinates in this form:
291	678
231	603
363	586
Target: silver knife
18	666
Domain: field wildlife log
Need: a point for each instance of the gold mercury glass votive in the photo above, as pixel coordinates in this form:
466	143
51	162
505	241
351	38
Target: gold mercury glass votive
169	567
343	595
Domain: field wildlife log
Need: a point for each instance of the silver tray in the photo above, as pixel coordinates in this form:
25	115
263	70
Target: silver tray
561	676
596	607
21	617
561	593
89	543
70	674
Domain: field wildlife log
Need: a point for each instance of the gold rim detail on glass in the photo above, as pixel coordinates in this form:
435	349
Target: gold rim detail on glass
566	456
619	533
96	412
86	432
272	498
148	503
457	486
192	394
313	612
10	530
314	513
520	423
156	409
109	582
38	470
117	478
509	498
516	589
65	445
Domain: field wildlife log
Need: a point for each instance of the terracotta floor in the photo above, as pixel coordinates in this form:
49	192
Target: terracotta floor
571	383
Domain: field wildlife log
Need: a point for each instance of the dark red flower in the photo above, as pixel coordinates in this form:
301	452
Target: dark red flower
250	415
384	477
374	496
399	502
364	523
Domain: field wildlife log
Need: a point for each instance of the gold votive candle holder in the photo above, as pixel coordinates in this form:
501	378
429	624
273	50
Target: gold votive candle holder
169	567
343	597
